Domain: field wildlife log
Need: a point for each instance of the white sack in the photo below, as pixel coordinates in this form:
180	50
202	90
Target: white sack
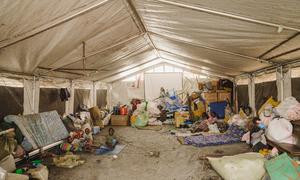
280	130
248	166
285	105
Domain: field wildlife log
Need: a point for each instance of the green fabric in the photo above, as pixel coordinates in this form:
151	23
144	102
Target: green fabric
283	167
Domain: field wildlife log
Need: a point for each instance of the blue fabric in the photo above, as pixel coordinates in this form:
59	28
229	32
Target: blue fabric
232	135
218	108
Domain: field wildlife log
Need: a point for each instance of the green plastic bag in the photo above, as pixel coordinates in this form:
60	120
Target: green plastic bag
283	167
142	120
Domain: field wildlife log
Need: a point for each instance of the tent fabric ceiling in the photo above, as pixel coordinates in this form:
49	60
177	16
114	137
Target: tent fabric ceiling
105	39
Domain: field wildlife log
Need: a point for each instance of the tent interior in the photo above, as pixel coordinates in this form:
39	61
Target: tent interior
113	64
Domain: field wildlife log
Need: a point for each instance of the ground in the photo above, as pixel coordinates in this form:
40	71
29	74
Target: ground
175	161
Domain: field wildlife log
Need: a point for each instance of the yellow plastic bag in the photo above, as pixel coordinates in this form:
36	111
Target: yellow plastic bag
270	101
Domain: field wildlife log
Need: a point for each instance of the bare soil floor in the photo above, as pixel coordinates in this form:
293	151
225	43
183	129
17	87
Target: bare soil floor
175	161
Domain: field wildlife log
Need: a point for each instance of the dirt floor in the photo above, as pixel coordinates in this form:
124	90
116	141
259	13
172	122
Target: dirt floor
175	161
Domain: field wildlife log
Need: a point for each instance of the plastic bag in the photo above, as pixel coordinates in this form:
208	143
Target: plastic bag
294	112
283	167
142	120
248	166
285	105
271	102
280	130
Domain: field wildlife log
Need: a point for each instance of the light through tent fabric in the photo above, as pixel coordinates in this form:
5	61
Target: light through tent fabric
50	100
242	95
53	38
101	98
81	96
263	91
296	88
11	101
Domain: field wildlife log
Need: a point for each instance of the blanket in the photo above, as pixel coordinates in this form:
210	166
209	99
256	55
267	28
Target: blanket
232	135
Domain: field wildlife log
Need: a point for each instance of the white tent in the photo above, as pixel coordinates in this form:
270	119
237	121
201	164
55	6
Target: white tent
92	43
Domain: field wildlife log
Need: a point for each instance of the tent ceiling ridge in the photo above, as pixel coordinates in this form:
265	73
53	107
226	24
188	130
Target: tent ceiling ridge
197	71
211	48
200	60
140	24
125	70
139	71
279	45
284	53
208	71
52	24
128	55
229	15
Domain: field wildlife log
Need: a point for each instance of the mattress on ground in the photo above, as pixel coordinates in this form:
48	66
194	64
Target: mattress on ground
41	129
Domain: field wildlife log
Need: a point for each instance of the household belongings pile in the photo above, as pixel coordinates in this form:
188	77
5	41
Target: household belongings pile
254	166
23	134
81	128
157	112
8	169
210	131
36	130
274	124
32	170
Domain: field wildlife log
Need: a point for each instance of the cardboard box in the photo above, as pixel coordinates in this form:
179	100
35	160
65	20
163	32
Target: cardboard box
210	97
119	120
223	96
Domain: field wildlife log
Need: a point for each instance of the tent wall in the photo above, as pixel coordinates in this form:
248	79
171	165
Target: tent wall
295	83
296	88
279	84
263	91
101	98
11	101
81	96
242	95
29	95
50	100
123	91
